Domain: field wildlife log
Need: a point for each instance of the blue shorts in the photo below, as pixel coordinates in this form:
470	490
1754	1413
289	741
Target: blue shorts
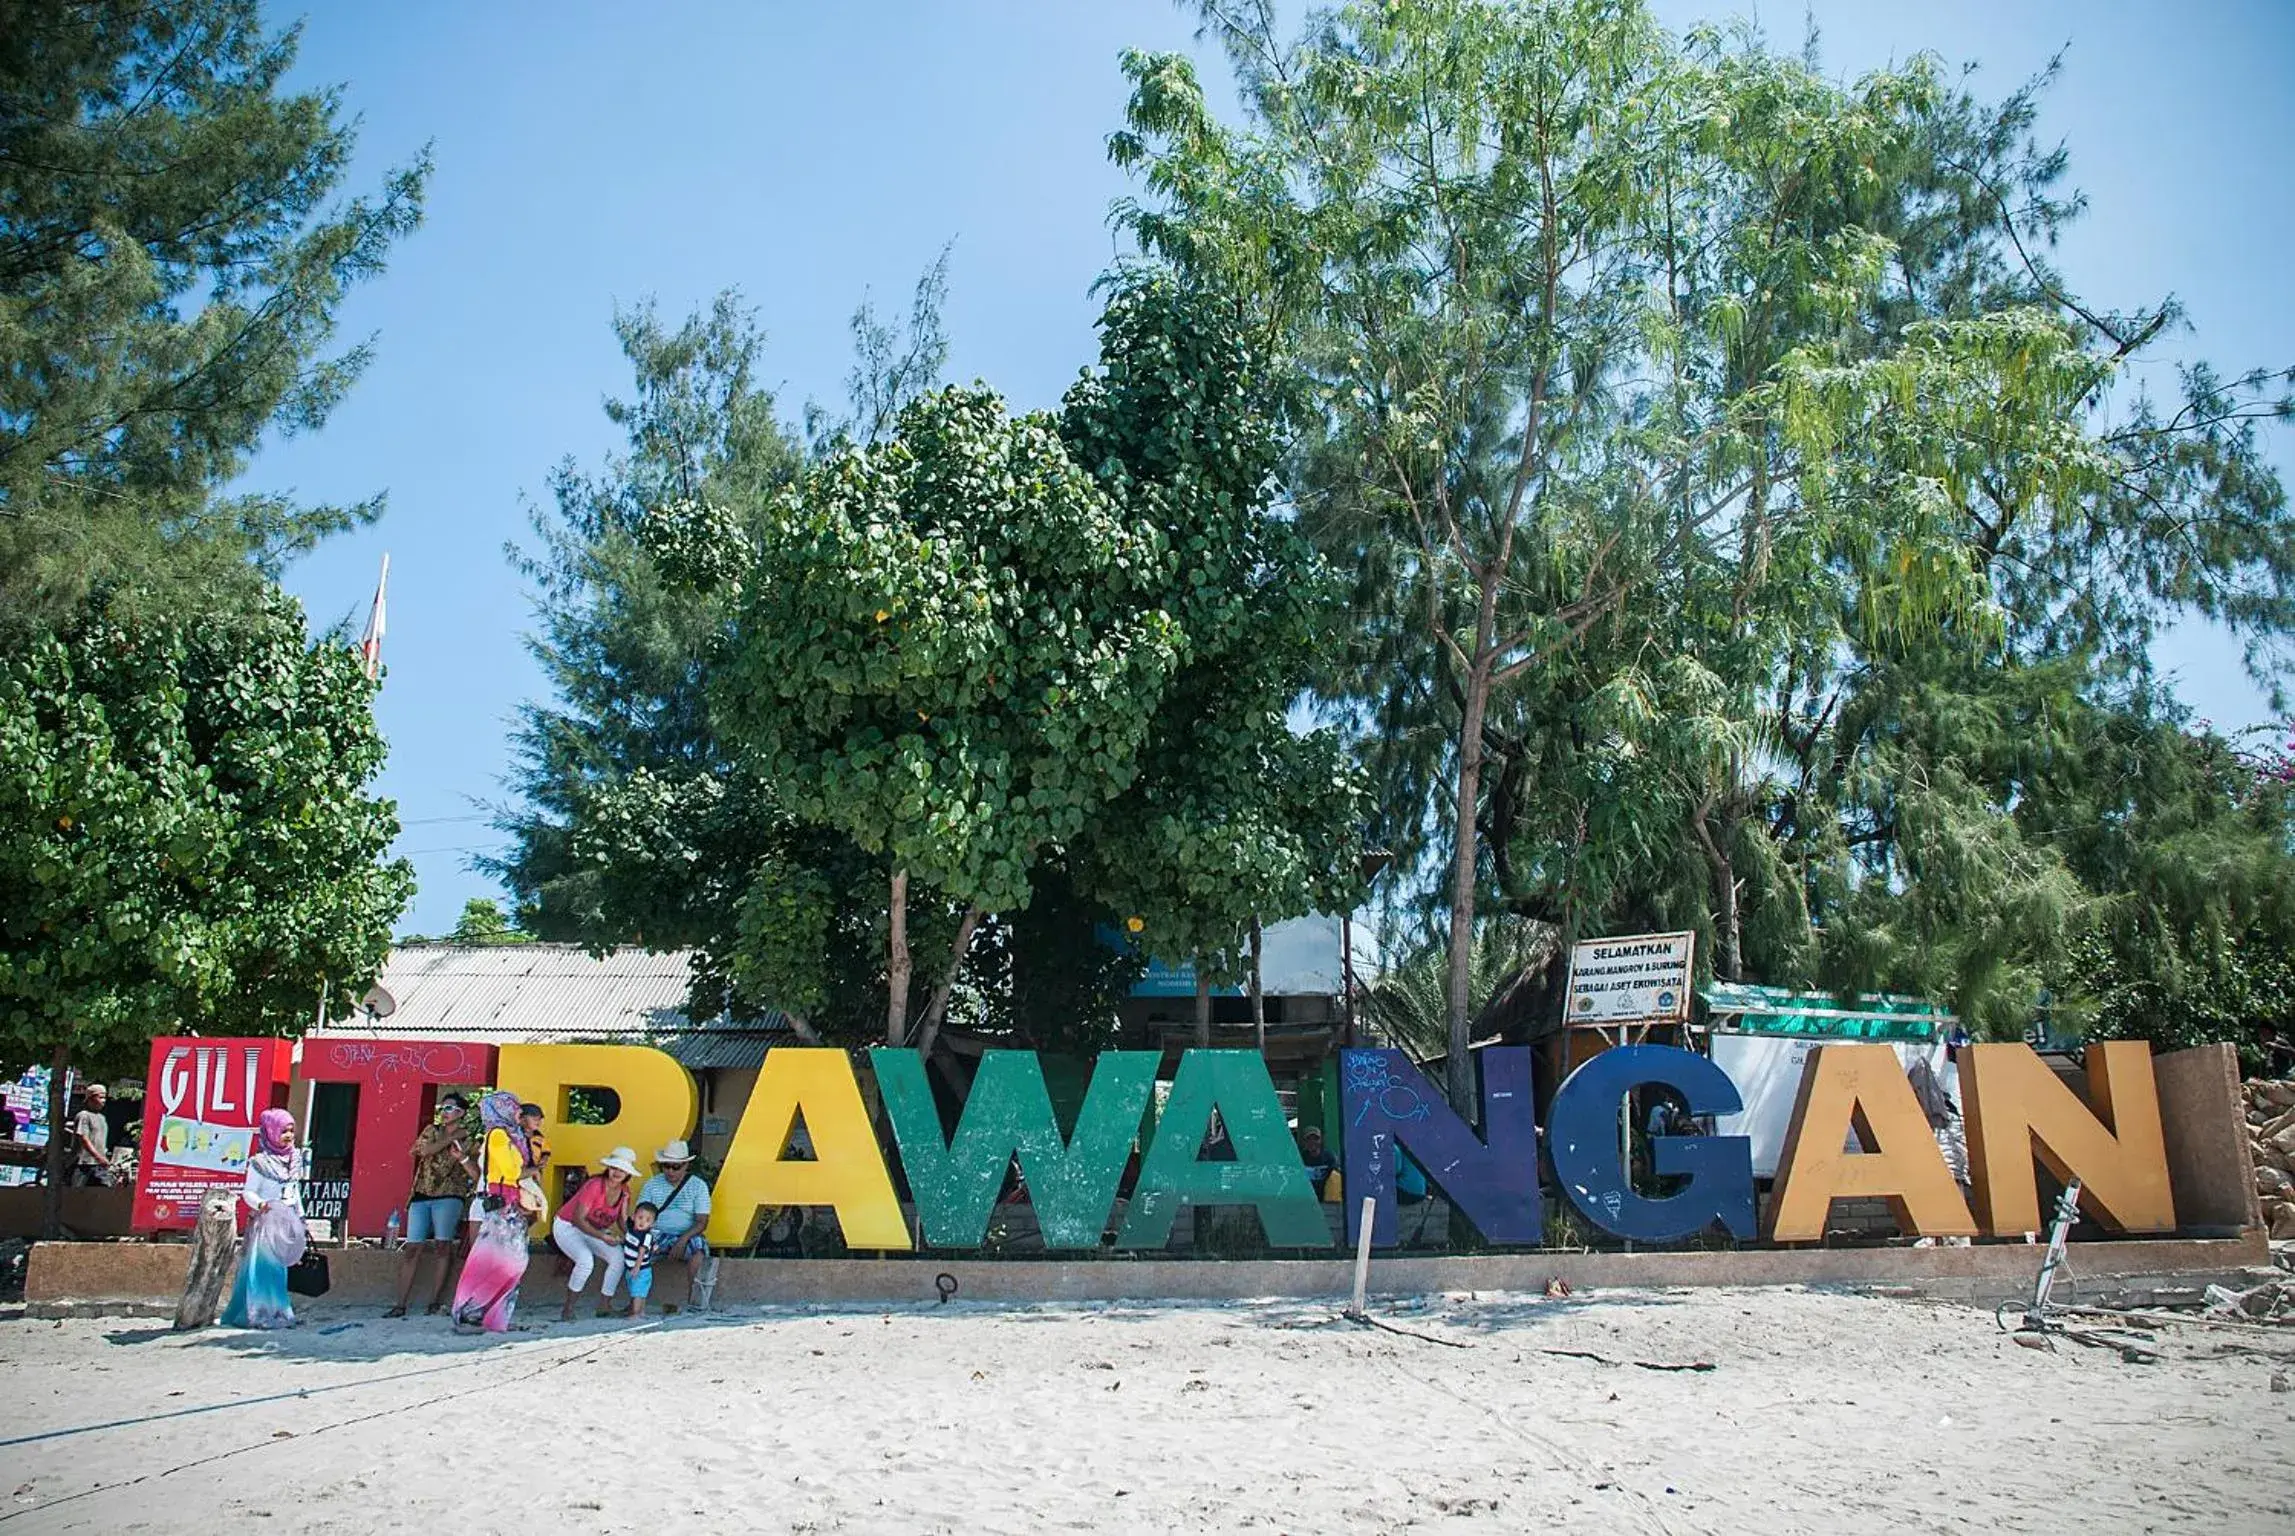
641	1283
434	1221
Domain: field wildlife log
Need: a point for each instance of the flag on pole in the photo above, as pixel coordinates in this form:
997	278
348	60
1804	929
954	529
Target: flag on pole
370	644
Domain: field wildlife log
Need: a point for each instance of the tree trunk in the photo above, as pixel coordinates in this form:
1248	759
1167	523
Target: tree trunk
212	1243
59	1151
938	1008
1458	1003
897	967
1728	929
1202	1004
1258	993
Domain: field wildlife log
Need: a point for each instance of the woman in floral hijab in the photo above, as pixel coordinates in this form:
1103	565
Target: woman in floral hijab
488	1289
272	1200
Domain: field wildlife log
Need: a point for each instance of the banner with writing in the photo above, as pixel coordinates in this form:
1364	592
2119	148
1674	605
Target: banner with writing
199	1120
1639	980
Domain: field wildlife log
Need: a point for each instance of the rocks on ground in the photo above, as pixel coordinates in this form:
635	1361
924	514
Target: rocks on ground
2270	1108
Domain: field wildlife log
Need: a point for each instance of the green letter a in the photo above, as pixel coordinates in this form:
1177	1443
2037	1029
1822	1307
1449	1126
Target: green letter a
1071	1184
1266	1173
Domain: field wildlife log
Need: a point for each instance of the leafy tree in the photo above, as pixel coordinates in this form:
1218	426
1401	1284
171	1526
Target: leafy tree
187	837
940	652
183	774
1515	262
172	256
1728	480
648	825
959	649
486	925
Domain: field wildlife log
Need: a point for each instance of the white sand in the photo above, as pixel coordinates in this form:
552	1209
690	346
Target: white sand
1824	1413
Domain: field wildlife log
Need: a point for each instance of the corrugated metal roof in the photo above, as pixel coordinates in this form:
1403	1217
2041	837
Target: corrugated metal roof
447	990
544	992
716	1049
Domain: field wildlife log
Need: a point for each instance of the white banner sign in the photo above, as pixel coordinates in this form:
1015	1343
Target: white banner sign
1638	980
1767	1070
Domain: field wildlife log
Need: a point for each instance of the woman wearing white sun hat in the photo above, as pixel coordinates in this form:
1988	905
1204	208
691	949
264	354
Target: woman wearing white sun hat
588	1228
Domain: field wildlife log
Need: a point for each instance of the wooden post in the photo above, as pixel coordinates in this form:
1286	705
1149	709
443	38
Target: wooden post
1363	1257
212	1245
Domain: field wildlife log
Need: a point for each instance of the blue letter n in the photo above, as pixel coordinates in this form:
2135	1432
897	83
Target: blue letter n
1390	1106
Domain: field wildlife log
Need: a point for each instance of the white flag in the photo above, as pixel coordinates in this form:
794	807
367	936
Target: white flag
370	644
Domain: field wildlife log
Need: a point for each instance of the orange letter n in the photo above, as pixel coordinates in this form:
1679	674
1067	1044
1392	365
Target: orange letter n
2017	1107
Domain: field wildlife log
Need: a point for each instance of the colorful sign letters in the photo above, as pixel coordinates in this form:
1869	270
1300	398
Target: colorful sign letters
1220	1138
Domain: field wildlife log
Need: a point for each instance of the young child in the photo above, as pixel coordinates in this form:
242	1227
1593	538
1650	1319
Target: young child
537	1144
637	1256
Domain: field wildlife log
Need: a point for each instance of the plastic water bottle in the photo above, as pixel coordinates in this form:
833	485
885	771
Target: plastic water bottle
390	1232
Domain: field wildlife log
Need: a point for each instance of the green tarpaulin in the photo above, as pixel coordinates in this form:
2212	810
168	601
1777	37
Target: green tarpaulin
1753	1010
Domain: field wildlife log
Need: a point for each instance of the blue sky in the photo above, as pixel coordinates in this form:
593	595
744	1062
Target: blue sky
595	154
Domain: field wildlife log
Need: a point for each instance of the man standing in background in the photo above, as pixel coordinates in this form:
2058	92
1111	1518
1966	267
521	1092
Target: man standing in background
91	1142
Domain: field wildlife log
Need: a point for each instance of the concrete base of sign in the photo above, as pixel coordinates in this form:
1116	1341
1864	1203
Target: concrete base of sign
77	1279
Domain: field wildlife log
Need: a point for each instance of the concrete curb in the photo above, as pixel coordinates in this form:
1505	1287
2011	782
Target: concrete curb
151	1274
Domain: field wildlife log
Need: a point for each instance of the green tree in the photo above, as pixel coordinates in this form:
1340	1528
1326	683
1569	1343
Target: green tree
940	653
484	924
187	838
172	256
1721	470
963	648
1468	228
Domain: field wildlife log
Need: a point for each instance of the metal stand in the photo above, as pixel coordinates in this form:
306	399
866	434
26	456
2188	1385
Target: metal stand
2067	1212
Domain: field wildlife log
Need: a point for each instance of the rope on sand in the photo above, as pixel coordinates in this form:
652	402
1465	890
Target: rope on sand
1364	1319
546	1367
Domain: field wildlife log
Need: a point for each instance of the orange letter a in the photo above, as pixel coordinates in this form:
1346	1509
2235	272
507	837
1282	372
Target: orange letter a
1864	1088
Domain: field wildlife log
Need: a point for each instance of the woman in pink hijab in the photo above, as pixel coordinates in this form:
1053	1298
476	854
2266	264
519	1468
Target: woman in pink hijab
272	1201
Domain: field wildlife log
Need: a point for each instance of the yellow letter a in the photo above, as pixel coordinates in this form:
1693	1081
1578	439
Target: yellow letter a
849	1174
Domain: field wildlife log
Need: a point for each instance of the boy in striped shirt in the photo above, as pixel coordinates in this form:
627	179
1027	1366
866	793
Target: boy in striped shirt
638	1244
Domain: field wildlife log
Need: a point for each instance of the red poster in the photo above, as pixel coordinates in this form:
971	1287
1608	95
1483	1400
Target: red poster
200	1103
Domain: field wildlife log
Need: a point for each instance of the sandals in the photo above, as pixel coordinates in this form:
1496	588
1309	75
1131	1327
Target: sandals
400	1312
434	1309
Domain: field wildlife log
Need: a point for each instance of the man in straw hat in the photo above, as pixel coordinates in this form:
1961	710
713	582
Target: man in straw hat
680	1198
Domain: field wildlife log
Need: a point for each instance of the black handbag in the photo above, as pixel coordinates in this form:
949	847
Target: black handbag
308	1275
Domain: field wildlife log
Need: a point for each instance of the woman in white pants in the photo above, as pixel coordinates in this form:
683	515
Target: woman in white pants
588	1228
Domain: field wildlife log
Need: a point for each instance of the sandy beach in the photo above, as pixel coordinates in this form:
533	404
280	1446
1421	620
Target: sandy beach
1822	1412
